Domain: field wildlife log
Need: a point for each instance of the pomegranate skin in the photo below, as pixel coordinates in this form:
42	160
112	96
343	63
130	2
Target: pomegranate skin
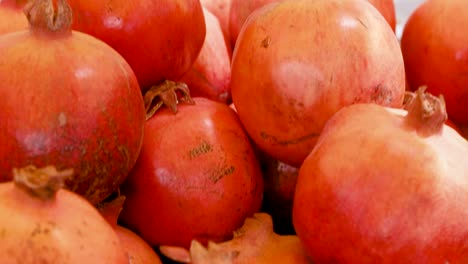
210	74
197	177
159	39
289	76
221	9
434	45
12	17
69	101
387	9
374	191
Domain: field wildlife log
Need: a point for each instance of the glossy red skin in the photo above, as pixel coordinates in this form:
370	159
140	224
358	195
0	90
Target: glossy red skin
373	191
289	78
12	17
197	177
71	101
434	45
210	74
159	39
63	230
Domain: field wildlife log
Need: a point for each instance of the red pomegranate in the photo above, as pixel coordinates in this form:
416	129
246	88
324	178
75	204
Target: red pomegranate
197	177
385	186
70	100
435	50
289	76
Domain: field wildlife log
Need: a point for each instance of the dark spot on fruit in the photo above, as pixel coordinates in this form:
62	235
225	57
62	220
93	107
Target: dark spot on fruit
362	23
381	95
201	149
218	174
79	232
266	42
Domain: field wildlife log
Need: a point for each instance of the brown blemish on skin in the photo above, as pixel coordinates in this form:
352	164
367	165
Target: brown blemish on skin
362	23
218	174
266	42
39	229
201	149
381	94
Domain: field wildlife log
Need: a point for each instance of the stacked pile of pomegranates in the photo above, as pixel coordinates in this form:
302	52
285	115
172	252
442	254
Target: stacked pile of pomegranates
233	131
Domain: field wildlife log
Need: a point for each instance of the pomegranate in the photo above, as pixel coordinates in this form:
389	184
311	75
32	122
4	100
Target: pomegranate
385	186
254	242
159	39
197	177
290	76
70	100
43	223
210	75
434	45
12	17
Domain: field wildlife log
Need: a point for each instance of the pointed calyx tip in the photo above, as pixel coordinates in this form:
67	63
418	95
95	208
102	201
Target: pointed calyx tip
43	183
44	16
427	113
